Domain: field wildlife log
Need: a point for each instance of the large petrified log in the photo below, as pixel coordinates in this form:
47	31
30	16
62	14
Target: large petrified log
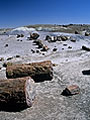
16	94
39	71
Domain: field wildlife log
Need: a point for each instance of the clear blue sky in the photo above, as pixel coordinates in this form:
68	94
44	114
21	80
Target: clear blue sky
15	13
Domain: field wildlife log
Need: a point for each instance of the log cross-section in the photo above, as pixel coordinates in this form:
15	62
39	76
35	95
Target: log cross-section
16	93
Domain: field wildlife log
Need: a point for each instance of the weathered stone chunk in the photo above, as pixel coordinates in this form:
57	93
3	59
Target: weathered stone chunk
34	36
73	40
64	38
85	48
71	90
55	49
87	34
18	36
77	32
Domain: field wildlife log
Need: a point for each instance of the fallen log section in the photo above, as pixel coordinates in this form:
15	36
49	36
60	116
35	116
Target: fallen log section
16	94
39	71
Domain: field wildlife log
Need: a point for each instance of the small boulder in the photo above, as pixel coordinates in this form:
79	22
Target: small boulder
77	32
65	44
71	90
73	40
55	49
51	38
17	56
69	47
45	48
48	37
2	59
22	35
85	48
10	58
6	45
18	36
34	36
64	38
87	33
37	51
33	51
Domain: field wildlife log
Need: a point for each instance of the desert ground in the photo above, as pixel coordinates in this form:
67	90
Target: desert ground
69	59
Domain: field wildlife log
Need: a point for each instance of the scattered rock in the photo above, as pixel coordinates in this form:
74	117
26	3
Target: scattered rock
85	48
37	51
43	53
69	47
51	38
18	36
22	35
34	36
86	72
55	49
87	34
71	90
62	48
17	56
77	32
39	43
33	51
6	45
73	40
45	48
10	58
65	44
48	37
64	38
59	38
2	59
18	40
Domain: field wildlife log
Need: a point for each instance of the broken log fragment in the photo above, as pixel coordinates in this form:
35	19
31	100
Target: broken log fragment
39	71
16	94
71	90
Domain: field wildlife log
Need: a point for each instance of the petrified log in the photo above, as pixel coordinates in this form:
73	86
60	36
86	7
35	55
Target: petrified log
39	71
16	94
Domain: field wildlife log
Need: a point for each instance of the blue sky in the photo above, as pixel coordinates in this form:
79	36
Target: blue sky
15	13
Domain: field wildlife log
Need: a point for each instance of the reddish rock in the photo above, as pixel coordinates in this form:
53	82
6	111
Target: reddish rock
71	90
